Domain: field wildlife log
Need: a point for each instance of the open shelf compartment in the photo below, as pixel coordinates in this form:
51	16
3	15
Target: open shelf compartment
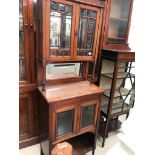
82	144
121	75
119	92
116	108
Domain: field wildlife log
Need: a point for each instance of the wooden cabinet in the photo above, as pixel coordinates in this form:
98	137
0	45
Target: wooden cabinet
67	112
117	24
70	30
28	109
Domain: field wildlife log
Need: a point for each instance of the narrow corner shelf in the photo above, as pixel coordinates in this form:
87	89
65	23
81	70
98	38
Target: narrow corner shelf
119	92
121	75
117	108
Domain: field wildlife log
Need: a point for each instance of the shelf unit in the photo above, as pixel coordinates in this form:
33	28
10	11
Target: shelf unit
119	97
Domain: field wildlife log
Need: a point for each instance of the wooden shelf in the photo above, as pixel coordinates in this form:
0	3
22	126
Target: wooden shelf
119	19
116	38
121	75
118	92
117	108
82	144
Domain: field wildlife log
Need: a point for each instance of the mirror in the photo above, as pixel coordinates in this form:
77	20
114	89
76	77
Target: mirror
63	70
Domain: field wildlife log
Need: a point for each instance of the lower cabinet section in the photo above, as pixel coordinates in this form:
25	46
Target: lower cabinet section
28	119
74	122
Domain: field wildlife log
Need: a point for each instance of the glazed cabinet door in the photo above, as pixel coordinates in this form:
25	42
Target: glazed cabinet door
86	32
118	21
65	121
61	30
26	116
88	115
23	40
26	42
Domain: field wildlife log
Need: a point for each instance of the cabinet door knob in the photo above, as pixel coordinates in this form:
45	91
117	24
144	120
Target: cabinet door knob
26	25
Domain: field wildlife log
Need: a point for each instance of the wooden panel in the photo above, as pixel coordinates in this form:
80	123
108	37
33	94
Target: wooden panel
28	119
25	116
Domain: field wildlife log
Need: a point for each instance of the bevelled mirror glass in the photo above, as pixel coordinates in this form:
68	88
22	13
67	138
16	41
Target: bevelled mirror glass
63	70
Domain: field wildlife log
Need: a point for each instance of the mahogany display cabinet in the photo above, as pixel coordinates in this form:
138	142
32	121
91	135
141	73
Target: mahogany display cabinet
67	47
116	26
28	109
118	79
69	30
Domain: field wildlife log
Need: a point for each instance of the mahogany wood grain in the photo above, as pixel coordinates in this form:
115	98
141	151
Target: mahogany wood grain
68	91
62	98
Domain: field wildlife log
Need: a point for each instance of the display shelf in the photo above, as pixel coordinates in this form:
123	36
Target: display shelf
113	40
118	19
121	75
82	144
119	92
116	108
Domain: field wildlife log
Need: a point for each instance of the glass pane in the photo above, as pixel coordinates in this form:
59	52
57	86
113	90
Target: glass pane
88	114
65	122
60	29
87	25
118	21
22	69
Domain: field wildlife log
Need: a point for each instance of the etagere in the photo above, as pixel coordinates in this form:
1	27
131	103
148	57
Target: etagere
119	82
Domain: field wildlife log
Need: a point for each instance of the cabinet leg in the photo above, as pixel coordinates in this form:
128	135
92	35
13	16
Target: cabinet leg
103	142
127	115
116	123
93	152
42	152
105	135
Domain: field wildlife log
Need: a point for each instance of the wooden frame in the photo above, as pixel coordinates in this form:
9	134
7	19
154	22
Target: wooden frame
95	44
45	28
104	43
90	127
65	109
